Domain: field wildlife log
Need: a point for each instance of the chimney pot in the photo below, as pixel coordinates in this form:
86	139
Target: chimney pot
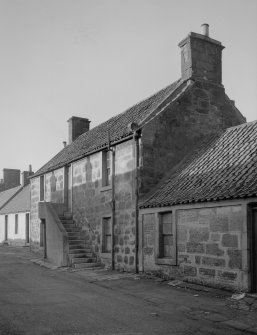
205	29
64	144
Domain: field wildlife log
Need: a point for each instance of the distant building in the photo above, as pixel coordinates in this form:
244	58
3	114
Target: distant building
84	201
11	178
15	213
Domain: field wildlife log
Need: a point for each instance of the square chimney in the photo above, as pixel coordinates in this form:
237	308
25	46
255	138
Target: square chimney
201	57
77	126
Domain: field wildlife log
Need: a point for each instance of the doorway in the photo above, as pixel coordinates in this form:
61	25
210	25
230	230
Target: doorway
27	227
253	242
6	227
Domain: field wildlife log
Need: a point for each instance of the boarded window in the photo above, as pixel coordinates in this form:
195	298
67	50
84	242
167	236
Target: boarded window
107	235
106	168
166	242
16	223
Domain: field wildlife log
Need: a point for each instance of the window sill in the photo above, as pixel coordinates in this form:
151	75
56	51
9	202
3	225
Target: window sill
165	261
106	188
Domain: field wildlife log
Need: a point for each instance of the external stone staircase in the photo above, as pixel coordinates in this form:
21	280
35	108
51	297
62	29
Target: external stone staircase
80	256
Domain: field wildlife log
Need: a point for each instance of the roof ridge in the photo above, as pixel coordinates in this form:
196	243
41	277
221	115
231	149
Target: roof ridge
242	125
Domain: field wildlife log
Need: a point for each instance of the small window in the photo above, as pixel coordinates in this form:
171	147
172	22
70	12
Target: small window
16	223
166	236
106	236
106	168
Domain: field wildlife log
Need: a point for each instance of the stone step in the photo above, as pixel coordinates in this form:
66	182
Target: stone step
74	235
65	221
69	226
80	250
67	214
76	242
85	265
77	246
83	260
72	230
80	254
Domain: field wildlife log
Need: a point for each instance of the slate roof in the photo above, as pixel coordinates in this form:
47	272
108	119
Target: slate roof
225	168
117	127
19	203
5	196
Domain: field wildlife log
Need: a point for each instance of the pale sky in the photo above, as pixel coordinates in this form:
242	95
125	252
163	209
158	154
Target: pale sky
96	58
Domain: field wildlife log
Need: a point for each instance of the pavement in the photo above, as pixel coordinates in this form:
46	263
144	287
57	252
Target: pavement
39	298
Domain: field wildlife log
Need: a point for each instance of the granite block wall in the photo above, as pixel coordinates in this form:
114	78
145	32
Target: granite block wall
91	203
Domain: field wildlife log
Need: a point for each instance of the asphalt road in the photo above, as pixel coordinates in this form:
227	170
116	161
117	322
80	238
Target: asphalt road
36	300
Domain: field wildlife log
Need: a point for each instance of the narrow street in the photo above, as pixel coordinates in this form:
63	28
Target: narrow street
38	300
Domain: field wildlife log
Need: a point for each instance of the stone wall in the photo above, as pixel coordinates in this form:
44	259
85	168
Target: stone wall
210	246
91	203
202	111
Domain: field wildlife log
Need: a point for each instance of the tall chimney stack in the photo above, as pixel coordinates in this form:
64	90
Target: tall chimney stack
201	57
77	126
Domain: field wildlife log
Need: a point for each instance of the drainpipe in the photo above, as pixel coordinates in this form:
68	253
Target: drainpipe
113	205
136	137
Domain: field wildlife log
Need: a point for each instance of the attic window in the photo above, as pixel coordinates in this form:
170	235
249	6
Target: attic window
106	168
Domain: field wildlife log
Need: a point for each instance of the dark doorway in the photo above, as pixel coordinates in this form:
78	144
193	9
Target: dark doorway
6	227
27	227
43	236
253	238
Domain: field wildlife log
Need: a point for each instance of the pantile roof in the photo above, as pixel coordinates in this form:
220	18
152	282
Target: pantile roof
5	196
19	203
225	168
111	130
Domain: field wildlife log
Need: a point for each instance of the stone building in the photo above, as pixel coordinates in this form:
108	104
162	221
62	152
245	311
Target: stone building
15	213
200	223
100	176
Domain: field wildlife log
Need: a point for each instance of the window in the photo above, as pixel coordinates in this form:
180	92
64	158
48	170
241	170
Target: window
166	236
42	188
106	168
16	223
106	236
